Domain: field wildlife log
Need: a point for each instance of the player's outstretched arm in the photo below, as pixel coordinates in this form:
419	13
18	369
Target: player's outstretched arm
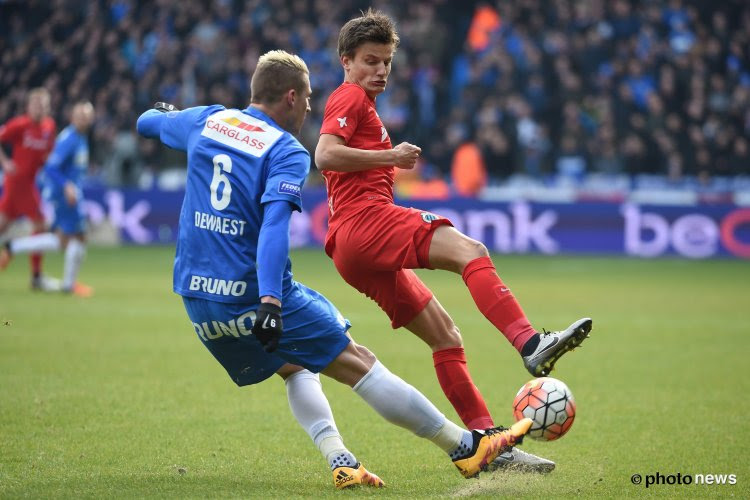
333	154
149	123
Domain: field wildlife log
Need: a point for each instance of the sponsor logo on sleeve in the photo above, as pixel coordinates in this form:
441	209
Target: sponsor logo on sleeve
290	188
428	217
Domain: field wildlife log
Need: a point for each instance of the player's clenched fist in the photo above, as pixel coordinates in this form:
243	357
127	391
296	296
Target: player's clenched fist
406	155
268	327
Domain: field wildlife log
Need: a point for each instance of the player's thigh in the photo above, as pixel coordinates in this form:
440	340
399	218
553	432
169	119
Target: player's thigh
388	238
451	250
315	332
69	219
7	210
33	210
225	330
400	294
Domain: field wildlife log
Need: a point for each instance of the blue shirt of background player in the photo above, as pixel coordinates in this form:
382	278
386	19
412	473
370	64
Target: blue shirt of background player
218	238
66	163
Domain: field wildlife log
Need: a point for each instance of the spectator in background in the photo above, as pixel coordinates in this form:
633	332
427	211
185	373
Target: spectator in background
468	173
460	54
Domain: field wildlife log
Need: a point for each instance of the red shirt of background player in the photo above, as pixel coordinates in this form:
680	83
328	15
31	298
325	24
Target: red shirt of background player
349	109
31	142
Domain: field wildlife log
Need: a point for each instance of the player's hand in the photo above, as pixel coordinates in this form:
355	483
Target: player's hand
9	166
268	327
165	107
406	155
70	191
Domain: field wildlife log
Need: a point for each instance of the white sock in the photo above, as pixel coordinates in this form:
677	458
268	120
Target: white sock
44	242
313	412
403	405
74	254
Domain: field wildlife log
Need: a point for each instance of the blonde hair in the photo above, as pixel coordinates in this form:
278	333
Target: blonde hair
38	91
277	72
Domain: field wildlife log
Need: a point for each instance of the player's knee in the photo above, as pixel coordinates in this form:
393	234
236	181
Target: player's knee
476	249
448	338
365	355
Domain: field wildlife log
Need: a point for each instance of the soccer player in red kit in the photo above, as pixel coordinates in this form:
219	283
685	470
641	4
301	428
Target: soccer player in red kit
375	244
31	137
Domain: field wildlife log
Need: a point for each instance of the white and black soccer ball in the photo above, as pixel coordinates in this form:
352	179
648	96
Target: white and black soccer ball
549	403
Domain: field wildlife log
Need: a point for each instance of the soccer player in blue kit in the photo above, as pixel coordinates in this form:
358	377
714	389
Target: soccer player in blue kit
232	268
63	173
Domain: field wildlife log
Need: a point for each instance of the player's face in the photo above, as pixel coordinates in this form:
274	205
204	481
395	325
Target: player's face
82	117
370	67
38	106
301	107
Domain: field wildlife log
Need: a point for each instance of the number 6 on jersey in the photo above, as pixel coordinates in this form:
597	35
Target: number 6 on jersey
222	163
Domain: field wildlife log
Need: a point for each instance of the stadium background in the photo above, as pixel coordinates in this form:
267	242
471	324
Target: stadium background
642	108
549	127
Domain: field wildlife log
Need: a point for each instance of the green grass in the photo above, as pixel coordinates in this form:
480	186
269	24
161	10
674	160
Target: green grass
115	397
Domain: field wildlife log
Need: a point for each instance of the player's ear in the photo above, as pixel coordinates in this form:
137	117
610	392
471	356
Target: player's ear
291	97
345	62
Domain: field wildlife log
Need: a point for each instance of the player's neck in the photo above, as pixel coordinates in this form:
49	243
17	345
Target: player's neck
272	112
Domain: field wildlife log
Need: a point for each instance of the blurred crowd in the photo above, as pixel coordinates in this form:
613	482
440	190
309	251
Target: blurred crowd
489	90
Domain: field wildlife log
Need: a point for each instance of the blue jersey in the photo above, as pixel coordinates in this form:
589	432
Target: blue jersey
67	162
237	161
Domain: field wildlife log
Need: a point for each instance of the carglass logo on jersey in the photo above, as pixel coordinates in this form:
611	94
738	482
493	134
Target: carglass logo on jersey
241	131
290	188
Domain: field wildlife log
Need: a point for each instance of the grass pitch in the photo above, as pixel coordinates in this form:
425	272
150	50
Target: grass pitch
115	397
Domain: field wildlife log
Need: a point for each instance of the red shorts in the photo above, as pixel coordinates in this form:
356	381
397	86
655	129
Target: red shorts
376	251
18	202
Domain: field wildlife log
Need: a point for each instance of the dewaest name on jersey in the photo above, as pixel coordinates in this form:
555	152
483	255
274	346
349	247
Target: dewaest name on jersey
223	225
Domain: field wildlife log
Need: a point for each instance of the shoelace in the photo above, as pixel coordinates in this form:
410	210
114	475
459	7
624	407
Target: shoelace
495	430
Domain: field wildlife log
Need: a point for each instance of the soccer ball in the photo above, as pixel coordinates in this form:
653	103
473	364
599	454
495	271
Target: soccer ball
549	403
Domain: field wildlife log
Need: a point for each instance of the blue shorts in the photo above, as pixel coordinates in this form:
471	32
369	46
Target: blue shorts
314	334
68	219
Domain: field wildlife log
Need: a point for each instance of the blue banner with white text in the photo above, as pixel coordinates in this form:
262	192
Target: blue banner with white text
701	231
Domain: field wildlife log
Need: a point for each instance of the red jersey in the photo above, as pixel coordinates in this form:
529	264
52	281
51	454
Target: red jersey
350	114
31	142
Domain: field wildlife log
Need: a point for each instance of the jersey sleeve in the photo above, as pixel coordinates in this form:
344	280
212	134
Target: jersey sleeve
64	148
11	130
273	248
176	126
287	171
343	112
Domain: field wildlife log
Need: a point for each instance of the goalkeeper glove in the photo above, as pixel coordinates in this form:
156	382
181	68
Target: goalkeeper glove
268	327
165	107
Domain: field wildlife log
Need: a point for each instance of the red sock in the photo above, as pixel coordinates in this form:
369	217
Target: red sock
496	301
36	263
454	378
